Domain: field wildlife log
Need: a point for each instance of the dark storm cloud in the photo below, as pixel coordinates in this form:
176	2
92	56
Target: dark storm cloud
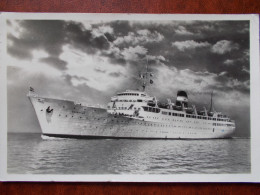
19	48
51	36
83	39
121	28
44	34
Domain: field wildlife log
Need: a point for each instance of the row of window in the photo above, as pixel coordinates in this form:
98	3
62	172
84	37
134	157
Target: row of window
220	124
206	118
129	101
157	110
131	94
150	109
193	116
173	114
121	108
222	116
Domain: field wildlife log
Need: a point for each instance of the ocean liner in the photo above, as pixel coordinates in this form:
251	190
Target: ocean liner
131	114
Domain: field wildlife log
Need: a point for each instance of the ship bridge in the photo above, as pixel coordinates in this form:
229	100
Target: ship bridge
131	96
128	101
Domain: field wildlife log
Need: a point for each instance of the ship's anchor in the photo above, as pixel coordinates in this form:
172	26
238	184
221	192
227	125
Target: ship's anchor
49	113
49	110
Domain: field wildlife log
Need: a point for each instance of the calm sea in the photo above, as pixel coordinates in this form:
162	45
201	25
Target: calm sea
29	153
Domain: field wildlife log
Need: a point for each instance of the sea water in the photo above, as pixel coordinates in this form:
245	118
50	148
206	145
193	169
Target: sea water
33	154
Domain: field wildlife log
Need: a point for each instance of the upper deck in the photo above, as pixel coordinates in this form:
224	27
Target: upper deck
131	102
131	96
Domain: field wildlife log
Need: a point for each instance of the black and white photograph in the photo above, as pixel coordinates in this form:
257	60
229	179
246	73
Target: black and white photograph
116	96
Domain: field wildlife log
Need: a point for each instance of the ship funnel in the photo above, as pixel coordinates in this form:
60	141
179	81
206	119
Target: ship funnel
182	99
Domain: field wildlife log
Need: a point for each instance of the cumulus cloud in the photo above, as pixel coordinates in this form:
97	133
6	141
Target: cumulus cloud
181	30
190	44
140	37
102	30
133	53
224	46
157	59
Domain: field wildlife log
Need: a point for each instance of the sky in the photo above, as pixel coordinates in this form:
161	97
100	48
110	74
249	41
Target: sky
90	61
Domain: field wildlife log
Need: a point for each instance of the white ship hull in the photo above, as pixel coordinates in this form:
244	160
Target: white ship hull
62	118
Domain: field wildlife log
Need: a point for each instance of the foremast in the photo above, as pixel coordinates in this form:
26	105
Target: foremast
146	77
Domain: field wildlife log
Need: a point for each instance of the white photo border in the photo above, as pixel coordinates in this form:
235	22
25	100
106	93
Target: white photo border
254	176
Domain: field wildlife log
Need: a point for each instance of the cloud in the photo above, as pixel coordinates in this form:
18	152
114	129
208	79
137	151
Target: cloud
157	59
223	73
37	34
52	35
229	62
115	74
190	44
55	62
224	46
85	39
181	30
171	79
101	31
76	81
140	37
91	70
133	53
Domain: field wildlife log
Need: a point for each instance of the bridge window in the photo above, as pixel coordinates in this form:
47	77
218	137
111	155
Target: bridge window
165	113
150	109
145	108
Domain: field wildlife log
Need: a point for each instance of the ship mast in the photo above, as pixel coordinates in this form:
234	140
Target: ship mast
211	103
145	76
